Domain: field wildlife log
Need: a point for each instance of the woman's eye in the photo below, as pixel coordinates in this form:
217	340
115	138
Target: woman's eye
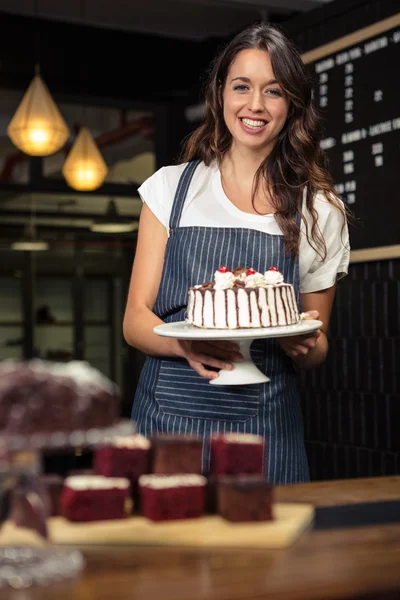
274	92
240	88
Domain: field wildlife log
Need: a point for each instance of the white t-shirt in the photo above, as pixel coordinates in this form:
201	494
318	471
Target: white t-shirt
207	205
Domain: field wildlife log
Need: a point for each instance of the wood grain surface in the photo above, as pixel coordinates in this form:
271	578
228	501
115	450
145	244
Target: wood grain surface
290	520
362	562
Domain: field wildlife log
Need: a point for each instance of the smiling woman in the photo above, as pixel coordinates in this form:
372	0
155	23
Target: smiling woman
251	189
255	107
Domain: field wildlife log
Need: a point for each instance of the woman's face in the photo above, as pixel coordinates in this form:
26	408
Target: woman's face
254	105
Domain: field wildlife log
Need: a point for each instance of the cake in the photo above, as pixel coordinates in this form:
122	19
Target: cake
242	298
127	456
236	453
94	498
53	484
244	498
167	497
30	505
172	454
43	397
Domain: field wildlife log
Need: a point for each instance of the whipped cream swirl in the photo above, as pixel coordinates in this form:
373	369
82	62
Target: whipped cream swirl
273	277
224	281
255	280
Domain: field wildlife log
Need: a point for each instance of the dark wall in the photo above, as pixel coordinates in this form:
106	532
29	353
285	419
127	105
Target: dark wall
351	404
103	63
337	19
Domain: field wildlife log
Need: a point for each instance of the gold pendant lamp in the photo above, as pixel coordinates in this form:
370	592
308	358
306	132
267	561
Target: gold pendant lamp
84	169
37	127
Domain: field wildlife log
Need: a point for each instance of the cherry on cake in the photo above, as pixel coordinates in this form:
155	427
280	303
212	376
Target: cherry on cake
170	497
242	298
243	498
236	453
94	498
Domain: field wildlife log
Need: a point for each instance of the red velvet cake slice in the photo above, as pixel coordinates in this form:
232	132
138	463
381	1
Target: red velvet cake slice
94	498
237	453
244	498
167	497
127	456
174	454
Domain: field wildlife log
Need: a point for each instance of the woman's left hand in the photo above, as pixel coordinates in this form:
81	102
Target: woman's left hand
300	345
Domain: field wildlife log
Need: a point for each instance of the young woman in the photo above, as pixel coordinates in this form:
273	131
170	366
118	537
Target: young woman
251	190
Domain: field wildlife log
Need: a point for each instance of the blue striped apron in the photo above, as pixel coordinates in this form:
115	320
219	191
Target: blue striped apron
172	398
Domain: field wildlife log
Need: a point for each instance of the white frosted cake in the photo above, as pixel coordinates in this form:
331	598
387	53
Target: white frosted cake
242	298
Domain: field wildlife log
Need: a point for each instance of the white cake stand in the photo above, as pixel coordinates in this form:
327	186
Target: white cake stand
245	372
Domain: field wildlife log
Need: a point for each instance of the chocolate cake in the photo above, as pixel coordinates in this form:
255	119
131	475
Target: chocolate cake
42	397
167	497
242	298
244	498
236	453
53	485
172	454
94	498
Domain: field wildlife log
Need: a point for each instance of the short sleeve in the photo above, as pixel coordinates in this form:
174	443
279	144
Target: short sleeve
152	192
320	274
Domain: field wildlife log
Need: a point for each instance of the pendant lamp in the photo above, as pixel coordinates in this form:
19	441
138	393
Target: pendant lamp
84	168
112	222
37	127
29	241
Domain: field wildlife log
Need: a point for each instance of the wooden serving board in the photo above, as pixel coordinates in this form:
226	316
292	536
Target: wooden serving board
290	520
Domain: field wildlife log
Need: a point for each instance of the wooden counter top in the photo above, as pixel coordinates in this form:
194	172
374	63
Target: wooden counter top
362	562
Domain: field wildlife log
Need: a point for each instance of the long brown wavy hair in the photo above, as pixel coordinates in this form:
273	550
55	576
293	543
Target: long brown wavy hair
297	165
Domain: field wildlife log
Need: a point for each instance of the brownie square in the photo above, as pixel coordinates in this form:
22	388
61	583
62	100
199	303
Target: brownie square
244	498
173	454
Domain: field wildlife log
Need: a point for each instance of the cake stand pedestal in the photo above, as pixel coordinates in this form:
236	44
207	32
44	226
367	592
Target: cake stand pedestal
245	372
21	460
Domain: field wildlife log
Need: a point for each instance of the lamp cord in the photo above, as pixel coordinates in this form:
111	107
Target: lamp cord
36	50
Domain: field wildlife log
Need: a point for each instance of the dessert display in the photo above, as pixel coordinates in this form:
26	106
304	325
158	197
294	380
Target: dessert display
53	485
166	497
236	453
185	509
242	298
173	454
52	406
42	397
125	456
244	498
94	498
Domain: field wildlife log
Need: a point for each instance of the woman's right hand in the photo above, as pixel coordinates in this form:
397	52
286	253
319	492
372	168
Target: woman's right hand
217	354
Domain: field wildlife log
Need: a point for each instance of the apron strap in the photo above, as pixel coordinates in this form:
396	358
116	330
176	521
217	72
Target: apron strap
181	191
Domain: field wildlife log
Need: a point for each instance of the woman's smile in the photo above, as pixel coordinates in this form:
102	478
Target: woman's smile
253	126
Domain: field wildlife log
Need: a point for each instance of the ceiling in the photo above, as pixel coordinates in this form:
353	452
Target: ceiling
130	157
184	19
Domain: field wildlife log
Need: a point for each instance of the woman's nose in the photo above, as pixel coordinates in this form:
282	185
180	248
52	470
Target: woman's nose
256	103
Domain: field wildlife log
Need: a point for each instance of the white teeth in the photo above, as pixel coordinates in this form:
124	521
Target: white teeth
253	124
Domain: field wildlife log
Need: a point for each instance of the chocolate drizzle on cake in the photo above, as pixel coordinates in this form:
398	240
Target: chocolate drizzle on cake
239	300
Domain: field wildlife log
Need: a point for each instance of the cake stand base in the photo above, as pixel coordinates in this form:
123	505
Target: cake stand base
243	373
23	566
246	372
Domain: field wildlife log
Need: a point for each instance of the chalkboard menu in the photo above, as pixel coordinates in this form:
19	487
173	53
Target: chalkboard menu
357	90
